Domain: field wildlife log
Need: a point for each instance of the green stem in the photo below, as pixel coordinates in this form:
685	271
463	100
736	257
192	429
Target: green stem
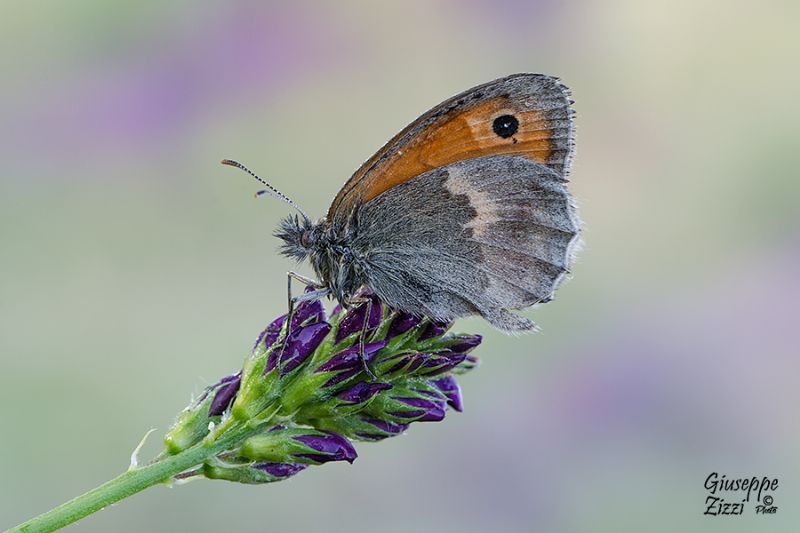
134	481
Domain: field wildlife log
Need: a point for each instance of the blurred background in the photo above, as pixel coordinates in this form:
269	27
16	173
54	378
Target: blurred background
135	269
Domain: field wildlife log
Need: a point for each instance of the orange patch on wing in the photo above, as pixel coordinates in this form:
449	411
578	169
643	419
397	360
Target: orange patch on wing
454	137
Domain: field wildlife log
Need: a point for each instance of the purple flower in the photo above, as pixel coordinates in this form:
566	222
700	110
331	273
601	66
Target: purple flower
435	329
280	470
402	323
326	446
468	364
362	392
228	387
376	429
402	362
440	363
410	402
422	410
449	387
465	343
353	320
299	347
423	364
298	445
347	363
306	313
262	472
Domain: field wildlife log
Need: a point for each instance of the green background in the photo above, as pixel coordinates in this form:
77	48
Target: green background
135	269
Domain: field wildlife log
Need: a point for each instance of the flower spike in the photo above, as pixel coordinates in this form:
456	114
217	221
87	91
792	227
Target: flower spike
305	397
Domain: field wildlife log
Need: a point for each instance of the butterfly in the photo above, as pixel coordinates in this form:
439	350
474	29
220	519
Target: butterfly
464	212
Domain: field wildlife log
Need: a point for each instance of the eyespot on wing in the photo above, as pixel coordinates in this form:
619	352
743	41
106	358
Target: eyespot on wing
528	115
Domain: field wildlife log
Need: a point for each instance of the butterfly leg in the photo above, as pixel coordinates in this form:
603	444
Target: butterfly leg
319	291
305	281
363	336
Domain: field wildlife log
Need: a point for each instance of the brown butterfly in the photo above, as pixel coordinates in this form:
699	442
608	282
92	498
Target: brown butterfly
464	212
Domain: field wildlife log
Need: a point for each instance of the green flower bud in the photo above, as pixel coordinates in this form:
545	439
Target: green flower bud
298	445
252	473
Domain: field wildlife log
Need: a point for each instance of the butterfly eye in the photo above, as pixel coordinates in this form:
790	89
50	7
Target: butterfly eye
505	126
306	238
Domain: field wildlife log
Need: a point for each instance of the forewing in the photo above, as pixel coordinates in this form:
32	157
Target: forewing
479	236
464	127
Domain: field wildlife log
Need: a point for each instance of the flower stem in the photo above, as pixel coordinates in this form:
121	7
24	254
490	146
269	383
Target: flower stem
135	480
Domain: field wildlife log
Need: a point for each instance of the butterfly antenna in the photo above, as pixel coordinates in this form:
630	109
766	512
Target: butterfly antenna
272	191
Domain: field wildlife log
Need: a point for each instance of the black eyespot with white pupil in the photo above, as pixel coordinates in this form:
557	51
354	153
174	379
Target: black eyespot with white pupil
505	126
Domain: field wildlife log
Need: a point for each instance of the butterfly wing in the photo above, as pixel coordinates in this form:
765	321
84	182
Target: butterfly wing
480	236
527	115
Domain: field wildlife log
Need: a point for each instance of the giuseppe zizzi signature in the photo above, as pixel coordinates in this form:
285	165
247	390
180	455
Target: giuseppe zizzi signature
732	496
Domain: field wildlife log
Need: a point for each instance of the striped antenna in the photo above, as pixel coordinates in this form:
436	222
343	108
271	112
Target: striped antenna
270	190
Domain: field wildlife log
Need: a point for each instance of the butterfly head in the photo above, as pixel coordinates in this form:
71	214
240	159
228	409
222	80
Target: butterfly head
299	235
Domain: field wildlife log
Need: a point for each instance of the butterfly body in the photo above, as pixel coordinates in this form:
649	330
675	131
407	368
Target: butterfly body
465	212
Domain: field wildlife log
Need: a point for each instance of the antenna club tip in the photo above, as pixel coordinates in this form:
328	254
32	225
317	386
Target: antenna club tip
230	162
